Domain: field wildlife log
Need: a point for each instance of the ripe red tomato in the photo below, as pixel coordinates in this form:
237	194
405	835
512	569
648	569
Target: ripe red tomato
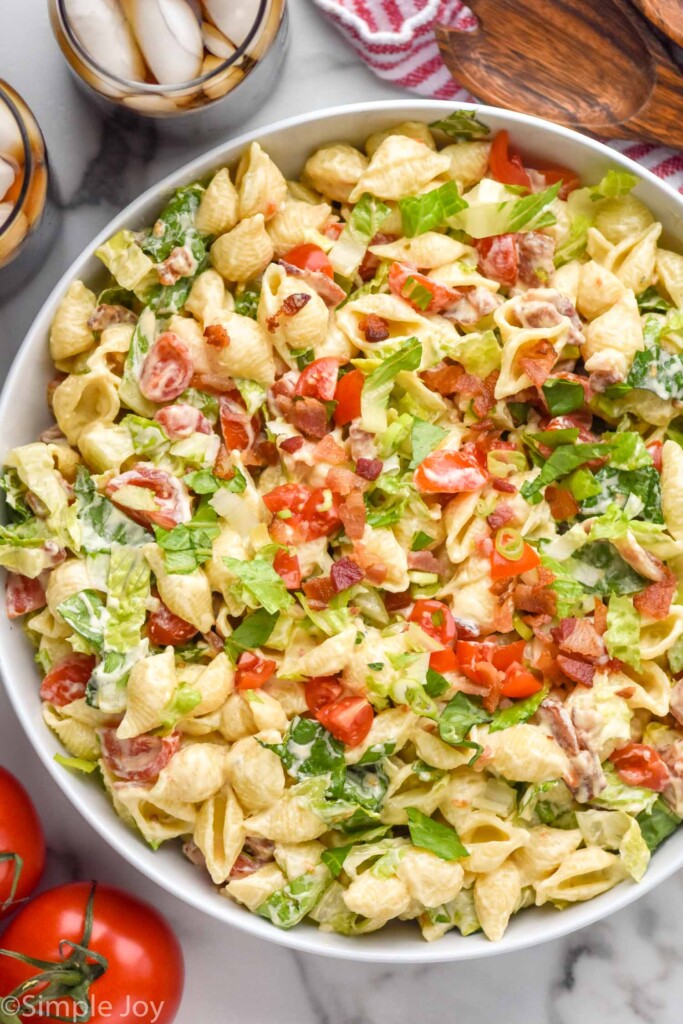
470	653
321	521
287	566
349	719
655	450
144	973
171	499
498	258
318	379
167	369
321	690
23	595
419	291
435	618
239	430
22	844
67	680
520	683
555	172
347	396
444	661
504	568
309	257
253	671
163	627
505	166
449	472
638	764
287	497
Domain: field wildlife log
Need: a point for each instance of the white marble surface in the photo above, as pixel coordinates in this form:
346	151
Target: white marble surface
625	970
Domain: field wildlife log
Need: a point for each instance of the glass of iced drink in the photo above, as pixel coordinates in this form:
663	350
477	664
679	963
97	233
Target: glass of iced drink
201	65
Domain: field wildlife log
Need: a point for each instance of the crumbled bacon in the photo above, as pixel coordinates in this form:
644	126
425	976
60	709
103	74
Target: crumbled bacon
492	679
345	573
369	469
329	451
576	670
539	361
452	379
343	481
374	327
291	444
105	315
534	258
600	617
319	591
180	263
537	599
328	289
370	264
501	516
656	599
216	336
262	453
426	561
309	416
502	617
579	636
504	486
562	503
443	379
223	467
291	305
352	515
397	602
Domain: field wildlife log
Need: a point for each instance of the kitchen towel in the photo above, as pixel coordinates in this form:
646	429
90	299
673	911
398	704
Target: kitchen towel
396	40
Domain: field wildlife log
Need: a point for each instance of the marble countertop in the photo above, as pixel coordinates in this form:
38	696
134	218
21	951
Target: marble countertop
622	971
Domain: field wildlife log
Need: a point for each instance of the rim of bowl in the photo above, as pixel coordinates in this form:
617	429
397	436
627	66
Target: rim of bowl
8	96
128	845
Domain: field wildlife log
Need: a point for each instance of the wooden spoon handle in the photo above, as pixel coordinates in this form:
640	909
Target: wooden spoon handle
660	119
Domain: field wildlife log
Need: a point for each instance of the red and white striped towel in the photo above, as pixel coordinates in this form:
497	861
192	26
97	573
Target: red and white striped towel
396	40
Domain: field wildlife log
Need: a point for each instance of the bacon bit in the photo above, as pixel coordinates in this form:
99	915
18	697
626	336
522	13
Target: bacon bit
261	453
452	379
292	305
319	591
539	361
485	400
328	290
375	572
502	618
579	636
501	516
374	327
216	336
545	661
538	623
179	264
214	383
352	515
443	379
544	576
343	481
369	469
328	450
308	415
105	315
504	486
292	444
223	467
562	503
490	677
345	573
397	602
600	617
576	670
626	692
537	599
426	561
656	599
370	264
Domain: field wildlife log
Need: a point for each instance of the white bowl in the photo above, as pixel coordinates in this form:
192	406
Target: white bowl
23	414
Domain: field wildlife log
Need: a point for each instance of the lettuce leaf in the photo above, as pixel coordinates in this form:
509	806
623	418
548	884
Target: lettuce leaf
430	211
441	840
189	545
616	830
367	216
424	438
617	795
462	124
563	396
129	389
125	260
560	463
520	711
623	630
657	823
308	749
259	578
378	386
531	213
85	612
102	524
173	224
289	905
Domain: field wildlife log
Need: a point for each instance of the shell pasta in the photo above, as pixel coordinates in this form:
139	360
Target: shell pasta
353	561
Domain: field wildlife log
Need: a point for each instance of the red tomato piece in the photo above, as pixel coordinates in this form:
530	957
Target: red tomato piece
309	257
349	719
418	290
498	258
21	834
167	369
505	166
435	618
253	671
471	653
570	179
321	690
287	566
321	521
444	661
170	496
23	595
655	450
449	472
504	568
504	656
163	627
144	973
239	429
520	683
318	379
182	421
139	759
347	396
287	497
638	764
66	681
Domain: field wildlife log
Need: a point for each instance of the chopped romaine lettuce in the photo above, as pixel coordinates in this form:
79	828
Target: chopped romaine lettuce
622	638
434	209
441	840
377	387
531	213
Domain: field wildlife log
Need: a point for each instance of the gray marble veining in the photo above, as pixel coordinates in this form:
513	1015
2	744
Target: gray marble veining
625	970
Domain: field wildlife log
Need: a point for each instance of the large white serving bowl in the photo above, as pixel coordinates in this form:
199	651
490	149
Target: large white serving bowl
23	414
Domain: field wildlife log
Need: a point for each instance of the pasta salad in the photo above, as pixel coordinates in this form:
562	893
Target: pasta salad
353	557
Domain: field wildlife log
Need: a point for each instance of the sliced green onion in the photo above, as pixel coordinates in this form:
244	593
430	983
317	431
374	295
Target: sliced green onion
502	463
509	543
526	632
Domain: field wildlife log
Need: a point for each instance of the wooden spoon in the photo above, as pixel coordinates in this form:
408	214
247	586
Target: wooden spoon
594	66
666	15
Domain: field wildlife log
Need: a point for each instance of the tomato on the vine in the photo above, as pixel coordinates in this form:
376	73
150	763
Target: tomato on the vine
22	843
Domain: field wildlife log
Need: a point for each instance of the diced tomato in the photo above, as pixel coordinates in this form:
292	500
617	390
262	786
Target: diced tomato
520	683
449	472
318	379
239	429
182	420
287	497
347	396
67	680
167	369
320	691
139	759
23	595
554	173
418	290
287	566
435	618
504	657
498	258
171	498
638	764
163	627
655	450
444	661
253	671
309	257
321	520
504	568
505	166
349	719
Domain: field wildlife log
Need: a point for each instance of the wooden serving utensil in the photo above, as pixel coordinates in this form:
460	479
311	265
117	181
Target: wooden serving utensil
666	15
593	66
